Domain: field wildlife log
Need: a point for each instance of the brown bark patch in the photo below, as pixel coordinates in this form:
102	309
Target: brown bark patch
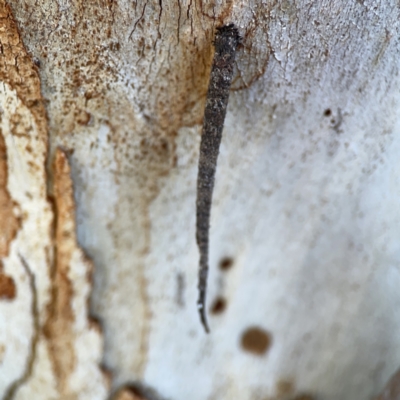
59	326
7	287
9	222
17	68
18	71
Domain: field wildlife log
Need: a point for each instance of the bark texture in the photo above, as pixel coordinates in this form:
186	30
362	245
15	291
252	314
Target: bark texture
101	108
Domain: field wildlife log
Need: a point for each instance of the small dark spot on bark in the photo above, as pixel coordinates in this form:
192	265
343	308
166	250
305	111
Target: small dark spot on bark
256	340
219	306
328	112
164	145
226	263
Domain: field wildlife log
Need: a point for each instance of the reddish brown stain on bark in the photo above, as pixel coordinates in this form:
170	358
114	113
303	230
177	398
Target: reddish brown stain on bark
59	325
7	287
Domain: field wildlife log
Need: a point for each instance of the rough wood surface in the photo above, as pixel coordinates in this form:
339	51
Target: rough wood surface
305	255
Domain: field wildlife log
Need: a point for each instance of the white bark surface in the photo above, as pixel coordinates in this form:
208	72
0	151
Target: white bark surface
306	200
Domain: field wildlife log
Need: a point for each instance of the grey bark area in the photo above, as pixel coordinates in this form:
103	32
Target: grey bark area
225	42
102	105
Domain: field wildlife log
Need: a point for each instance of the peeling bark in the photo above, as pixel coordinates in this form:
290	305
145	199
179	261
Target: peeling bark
10	222
59	327
66	329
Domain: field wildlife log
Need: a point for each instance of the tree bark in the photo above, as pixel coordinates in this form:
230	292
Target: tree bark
101	107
